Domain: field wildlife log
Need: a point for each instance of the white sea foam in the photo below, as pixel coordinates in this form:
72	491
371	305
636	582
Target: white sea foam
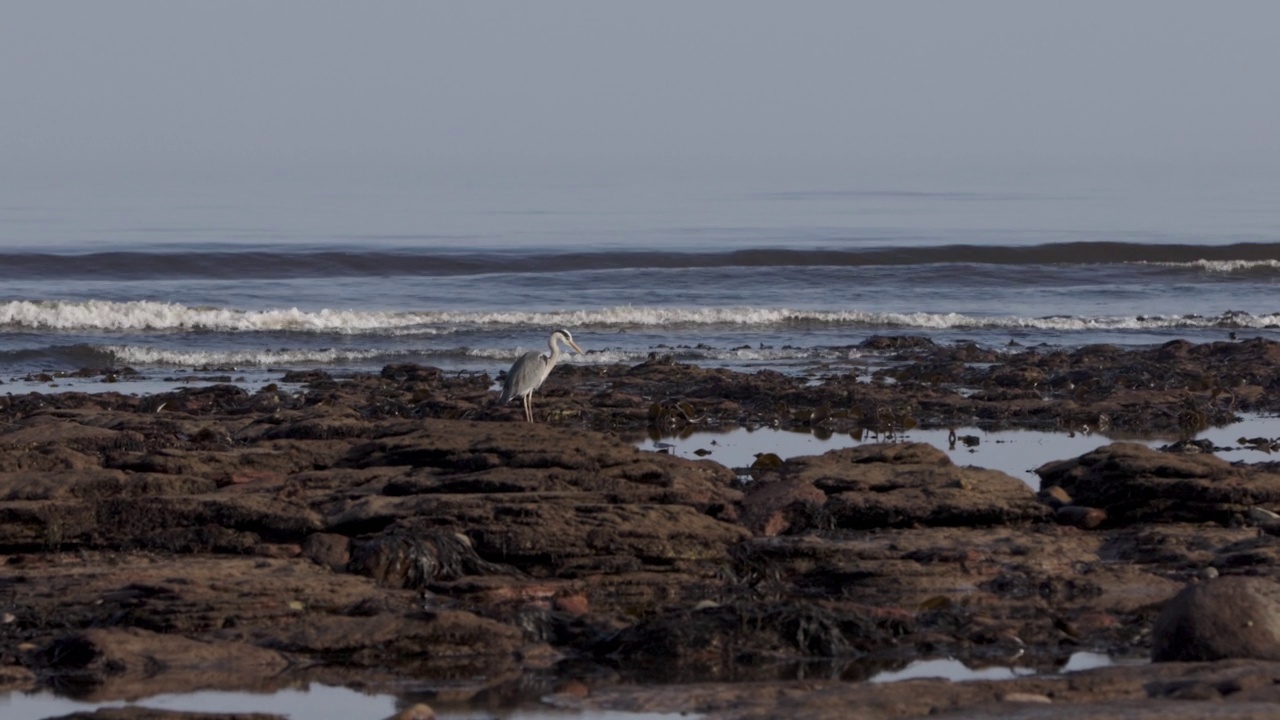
155	316
592	357
657	317
149	315
610	356
1222	266
132	355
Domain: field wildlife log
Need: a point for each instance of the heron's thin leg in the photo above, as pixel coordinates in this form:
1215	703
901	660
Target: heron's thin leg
528	407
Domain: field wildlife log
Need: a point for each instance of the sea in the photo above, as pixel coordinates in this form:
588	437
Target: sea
196	279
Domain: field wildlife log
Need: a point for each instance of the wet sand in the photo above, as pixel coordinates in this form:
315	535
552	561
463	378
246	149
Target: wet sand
401	534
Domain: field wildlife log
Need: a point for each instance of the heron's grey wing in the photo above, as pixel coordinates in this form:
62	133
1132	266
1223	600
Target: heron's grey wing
523	376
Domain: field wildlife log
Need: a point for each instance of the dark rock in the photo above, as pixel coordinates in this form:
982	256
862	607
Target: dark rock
1134	483
905	484
134	656
1079	516
328	549
1225	617
779	506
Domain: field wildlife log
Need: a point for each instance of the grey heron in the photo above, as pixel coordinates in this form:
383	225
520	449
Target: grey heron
529	370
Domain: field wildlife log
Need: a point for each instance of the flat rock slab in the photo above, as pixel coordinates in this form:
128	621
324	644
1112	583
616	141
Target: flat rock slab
908	484
1134	483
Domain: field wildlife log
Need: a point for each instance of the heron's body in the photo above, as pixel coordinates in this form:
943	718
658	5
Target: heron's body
529	371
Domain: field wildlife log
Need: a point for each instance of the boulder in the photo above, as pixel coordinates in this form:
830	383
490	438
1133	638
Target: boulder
1134	483
906	484
1224	617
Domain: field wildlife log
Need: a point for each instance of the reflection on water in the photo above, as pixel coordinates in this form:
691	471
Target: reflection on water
955	670
317	701
326	701
950	670
1087	661
1016	452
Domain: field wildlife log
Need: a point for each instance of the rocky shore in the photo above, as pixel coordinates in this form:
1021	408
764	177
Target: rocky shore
376	530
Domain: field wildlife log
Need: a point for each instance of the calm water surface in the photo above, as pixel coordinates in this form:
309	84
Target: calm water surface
1015	452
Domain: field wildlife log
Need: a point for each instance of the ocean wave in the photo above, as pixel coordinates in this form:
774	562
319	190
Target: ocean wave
612	356
1223	266
173	317
148	356
631	317
284	262
150	315
133	355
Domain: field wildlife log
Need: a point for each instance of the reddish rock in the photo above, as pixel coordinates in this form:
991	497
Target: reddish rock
572	604
1079	516
328	549
773	507
418	711
1054	496
905	484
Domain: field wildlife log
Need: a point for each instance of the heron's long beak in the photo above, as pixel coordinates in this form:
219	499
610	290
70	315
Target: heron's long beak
574	345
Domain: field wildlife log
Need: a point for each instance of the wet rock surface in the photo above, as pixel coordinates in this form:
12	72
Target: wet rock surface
375	529
1224	617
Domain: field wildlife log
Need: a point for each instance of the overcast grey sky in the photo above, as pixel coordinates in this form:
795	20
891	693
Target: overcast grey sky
274	84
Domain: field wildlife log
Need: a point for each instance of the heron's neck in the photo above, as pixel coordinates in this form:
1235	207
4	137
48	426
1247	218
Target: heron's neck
554	342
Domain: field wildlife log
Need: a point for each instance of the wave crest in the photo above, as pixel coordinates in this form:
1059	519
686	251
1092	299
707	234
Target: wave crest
155	316
150	315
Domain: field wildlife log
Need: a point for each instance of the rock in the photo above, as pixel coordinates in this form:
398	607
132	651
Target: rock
796	629
1262	516
1054	496
413	557
152	662
328	549
419	711
445	635
495	560
905	484
1134	483
1224	617
576	604
774	507
1079	516
51	430
1023	697
15	677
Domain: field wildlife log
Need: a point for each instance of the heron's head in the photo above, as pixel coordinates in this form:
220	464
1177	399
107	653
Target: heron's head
567	337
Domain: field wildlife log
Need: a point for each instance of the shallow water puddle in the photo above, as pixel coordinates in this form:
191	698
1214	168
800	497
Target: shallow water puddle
317	701
949	669
955	670
1016	452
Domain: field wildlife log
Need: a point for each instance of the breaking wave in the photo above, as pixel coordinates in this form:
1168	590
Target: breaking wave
147	356
1223	266
150	315
138	316
131	355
